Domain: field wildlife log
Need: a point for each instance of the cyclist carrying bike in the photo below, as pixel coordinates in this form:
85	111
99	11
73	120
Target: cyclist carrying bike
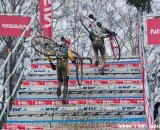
62	67
98	43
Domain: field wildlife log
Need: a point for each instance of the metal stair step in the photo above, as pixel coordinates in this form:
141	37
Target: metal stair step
80	108
43	71
109	61
80	95
23	92
131	110
88	66
72	119
112	87
109	76
51	97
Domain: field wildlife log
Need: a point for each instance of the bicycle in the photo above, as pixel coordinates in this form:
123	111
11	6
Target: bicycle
90	24
49	47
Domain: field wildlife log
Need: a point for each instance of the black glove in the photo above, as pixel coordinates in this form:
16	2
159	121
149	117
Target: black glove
73	62
91	16
53	66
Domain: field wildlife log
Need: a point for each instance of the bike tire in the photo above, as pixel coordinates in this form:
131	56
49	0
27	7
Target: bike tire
79	71
115	47
87	27
39	45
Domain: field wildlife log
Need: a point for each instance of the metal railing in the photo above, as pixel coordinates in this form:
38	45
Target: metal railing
6	103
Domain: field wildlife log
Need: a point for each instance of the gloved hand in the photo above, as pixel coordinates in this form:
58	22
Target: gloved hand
53	66
74	61
91	16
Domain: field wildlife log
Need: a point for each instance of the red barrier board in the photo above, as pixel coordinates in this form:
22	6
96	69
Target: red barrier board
131	125
21	127
38	66
80	101
85	82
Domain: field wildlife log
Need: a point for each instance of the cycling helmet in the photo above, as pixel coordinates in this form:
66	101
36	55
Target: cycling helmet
62	38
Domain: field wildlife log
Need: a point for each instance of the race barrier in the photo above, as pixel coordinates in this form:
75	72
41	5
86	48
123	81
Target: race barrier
81	101
85	82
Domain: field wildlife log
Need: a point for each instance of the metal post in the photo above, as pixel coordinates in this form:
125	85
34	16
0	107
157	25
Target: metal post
8	84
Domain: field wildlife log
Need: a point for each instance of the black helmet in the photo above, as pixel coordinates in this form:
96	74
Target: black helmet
99	24
62	38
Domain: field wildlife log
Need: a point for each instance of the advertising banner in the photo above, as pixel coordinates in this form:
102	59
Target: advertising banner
153	31
14	25
46	17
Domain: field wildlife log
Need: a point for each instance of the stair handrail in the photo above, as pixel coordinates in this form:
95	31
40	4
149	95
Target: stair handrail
8	99
18	82
147	107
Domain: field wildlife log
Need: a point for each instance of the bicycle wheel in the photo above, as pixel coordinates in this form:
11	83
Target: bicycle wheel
115	47
44	45
90	26
79	71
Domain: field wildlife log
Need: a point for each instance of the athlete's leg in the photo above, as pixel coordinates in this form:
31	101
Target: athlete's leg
60	78
66	78
95	48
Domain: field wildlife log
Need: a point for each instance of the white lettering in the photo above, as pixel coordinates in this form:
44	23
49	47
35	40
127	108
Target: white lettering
155	31
14	26
47	17
47	1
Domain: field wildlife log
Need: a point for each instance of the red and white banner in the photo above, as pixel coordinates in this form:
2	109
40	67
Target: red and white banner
46	17
80	101
85	82
14	25
153	31
22	127
45	66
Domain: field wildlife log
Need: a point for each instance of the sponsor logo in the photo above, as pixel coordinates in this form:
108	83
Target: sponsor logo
52	108
39	102
14	26
47	13
12	127
155	31
17	109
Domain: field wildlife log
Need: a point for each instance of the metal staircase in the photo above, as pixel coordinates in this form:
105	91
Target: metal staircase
103	102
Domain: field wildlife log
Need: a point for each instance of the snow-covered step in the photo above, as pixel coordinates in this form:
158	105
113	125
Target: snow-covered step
79	96
88	71
108	77
111	108
83	110
53	91
91	66
72	119
53	88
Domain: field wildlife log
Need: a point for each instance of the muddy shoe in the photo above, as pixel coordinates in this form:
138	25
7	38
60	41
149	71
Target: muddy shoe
58	92
102	71
96	63
64	102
